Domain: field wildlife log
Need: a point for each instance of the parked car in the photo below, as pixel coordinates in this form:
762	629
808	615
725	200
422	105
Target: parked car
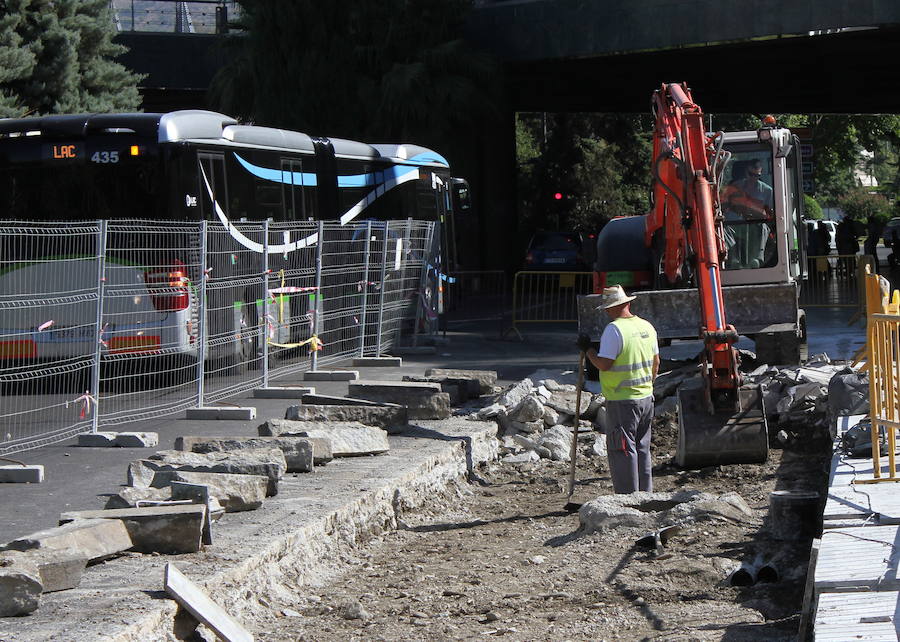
812	238
889	229
554	251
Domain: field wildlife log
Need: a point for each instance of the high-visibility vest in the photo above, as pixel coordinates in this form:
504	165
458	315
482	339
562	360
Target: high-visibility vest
631	375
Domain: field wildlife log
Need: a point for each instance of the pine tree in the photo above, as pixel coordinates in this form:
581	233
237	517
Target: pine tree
16	62
58	57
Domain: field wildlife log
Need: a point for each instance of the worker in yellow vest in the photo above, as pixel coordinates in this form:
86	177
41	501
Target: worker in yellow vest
628	360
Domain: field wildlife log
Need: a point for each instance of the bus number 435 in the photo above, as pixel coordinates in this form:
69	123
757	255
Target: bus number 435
105	157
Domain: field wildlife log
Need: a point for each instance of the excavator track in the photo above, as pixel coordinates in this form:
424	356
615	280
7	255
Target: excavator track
724	437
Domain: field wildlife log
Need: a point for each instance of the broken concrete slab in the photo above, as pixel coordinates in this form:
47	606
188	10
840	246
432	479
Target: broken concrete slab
423	400
269	462
220	412
20	586
348	438
390	416
489	412
154	529
137	439
530	409
282	392
97	440
298	451
564	401
128	496
235	493
18	474
331	400
514	395
653	510
487	379
94	539
557	440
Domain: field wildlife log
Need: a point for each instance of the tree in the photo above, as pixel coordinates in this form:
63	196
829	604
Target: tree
861	205
59	58
811	208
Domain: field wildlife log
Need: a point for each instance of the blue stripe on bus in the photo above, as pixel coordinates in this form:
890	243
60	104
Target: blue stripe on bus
308	179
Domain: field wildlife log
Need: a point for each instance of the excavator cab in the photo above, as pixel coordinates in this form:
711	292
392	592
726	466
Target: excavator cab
724	237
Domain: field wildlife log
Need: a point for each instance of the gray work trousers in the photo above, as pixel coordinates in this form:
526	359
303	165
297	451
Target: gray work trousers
628	444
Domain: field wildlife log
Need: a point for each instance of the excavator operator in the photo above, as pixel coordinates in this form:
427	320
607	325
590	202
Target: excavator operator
748	203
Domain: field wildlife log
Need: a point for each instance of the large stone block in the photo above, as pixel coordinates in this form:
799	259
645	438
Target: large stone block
298	451
390	416
57	570
269	462
235	493
154	529
423	400
137	439
20	586
17	474
94	539
460	390
486	379
347	438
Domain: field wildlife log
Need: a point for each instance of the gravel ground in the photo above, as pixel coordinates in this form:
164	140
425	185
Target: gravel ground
503	559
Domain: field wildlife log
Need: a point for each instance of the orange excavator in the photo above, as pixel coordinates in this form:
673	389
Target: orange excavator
700	230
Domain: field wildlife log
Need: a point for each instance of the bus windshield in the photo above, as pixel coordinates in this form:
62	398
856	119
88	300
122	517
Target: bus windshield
80	192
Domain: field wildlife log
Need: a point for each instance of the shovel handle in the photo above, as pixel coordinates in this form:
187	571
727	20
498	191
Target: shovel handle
573	452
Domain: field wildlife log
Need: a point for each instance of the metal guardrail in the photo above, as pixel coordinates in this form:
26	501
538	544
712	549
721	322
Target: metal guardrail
881	360
835	280
547	297
475	295
104	323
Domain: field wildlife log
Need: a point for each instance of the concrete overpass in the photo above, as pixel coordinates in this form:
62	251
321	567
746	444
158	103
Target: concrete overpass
738	55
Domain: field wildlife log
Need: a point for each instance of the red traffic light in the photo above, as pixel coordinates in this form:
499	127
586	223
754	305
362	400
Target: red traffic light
558	196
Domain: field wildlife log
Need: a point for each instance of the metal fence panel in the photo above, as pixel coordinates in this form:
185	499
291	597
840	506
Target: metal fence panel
106	323
834	281
548	297
48	329
149	325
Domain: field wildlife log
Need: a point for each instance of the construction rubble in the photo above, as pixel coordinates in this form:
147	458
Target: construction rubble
177	501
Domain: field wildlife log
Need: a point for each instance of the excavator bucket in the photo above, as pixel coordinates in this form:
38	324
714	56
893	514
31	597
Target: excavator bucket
733	436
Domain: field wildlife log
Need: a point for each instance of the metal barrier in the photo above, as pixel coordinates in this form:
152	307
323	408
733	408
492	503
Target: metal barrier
476	295
835	281
548	297
104	323
882	359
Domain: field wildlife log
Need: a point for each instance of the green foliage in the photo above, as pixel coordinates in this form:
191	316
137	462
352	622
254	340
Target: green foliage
861	205
597	161
386	70
811	208
58	57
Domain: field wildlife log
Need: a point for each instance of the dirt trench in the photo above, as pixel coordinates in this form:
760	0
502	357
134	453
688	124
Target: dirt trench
502	559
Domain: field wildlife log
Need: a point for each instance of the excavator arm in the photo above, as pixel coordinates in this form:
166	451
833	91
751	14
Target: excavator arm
719	421
685	225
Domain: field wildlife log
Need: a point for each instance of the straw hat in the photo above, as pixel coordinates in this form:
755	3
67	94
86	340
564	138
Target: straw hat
613	296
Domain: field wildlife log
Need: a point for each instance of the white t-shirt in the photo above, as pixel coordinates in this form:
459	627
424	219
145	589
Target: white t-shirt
611	343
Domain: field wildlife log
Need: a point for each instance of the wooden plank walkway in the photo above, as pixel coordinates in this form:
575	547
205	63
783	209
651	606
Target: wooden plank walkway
849	616
856	585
